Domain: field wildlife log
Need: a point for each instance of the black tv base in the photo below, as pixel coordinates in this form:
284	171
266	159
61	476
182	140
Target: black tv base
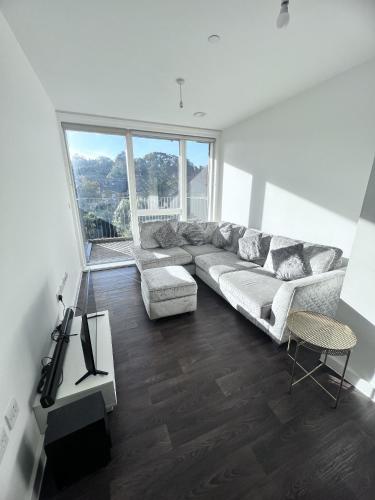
87	374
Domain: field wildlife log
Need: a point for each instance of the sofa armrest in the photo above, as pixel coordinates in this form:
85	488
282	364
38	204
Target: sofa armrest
318	293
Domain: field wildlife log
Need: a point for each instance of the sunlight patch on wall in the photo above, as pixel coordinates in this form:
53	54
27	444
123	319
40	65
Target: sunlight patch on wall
287	214
237	186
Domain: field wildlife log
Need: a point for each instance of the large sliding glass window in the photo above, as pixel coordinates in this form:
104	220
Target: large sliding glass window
123	178
99	171
157	178
198	159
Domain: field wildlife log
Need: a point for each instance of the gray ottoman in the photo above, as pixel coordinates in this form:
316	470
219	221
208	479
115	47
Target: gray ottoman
167	291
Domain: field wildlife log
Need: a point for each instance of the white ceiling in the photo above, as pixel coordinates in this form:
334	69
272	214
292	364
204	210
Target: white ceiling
120	58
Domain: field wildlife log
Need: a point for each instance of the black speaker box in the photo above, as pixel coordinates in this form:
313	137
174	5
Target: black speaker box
77	439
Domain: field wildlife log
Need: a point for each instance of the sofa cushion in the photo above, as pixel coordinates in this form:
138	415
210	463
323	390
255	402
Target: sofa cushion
318	258
207	227
249	247
321	258
194	233
167	283
237	233
159	257
276	243
264	243
251	291
147	230
201	249
166	236
218	263
289	262
222	236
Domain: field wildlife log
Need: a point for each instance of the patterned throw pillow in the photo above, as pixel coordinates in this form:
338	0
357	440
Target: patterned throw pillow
289	263
181	226
276	243
249	248
264	243
166	236
147	230
209	229
237	233
195	234
321	258
222	235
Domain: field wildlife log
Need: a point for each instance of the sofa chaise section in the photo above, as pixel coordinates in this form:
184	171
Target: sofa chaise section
160	257
267	301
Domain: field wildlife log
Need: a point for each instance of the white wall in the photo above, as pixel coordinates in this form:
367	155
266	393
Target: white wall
37	245
357	304
301	168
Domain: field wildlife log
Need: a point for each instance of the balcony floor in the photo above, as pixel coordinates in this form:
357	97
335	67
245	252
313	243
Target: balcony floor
111	251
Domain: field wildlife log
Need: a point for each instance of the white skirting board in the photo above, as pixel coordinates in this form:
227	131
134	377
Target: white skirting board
337	365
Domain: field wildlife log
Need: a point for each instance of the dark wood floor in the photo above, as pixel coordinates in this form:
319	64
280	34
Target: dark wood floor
203	412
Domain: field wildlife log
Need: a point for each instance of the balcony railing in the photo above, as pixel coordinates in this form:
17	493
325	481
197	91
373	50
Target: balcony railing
110	218
158	202
106	218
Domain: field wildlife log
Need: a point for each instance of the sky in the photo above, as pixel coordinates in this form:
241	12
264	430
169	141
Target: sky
91	145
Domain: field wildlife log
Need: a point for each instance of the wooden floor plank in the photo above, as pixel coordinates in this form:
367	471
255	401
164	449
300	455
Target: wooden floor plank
204	412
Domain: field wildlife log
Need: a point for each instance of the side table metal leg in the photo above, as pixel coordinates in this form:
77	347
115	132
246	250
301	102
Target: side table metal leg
342	380
294	367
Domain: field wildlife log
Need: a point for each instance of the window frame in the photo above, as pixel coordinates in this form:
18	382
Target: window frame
128	129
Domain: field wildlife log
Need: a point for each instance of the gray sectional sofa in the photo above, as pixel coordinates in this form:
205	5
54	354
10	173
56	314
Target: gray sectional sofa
251	287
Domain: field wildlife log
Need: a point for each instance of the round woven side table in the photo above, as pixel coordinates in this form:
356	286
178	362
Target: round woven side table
321	334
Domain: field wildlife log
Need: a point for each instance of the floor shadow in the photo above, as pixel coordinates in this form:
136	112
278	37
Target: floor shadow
363	354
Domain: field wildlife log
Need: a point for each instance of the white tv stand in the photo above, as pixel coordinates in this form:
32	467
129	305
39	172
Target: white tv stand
74	367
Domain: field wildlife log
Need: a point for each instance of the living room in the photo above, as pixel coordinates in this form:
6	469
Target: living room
200	177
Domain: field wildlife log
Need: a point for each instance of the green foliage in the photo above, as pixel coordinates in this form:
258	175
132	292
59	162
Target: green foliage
88	188
105	179
121	219
90	224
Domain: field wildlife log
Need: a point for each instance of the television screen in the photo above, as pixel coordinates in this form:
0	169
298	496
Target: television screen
88	352
89	330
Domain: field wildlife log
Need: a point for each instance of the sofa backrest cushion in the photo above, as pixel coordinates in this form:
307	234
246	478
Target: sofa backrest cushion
209	228
147	230
237	233
322	258
166	236
195	234
249	247
318	258
265	241
222	235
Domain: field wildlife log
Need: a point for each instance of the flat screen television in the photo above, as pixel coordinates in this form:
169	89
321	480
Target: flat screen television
88	335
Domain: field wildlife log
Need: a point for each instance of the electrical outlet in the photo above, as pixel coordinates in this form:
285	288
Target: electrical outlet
4	440
12	413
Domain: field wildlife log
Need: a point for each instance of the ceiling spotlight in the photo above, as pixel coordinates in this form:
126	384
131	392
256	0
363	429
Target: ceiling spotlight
283	18
180	82
199	114
213	39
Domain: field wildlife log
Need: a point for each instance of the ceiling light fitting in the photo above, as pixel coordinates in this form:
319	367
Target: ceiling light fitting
283	17
199	114
213	39
180	82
